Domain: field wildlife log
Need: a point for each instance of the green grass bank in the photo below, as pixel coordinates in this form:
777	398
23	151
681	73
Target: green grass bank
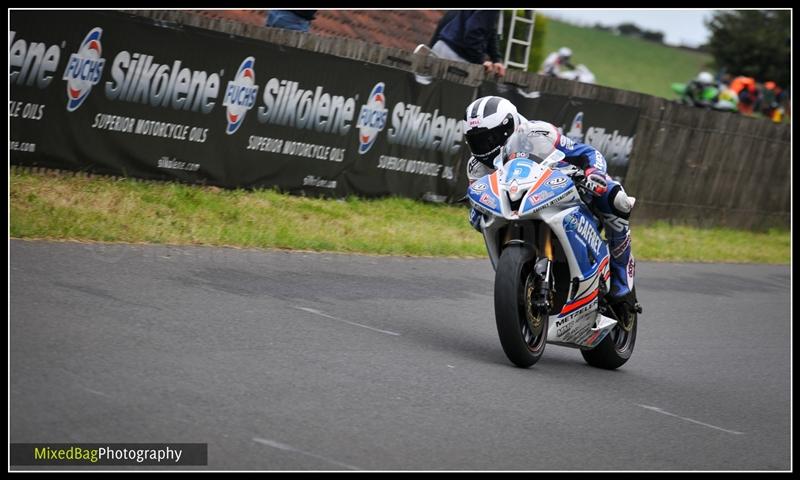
63	206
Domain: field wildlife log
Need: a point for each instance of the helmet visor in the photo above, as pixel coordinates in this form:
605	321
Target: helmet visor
485	141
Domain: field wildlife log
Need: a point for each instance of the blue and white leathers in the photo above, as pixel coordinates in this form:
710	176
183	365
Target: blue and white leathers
614	206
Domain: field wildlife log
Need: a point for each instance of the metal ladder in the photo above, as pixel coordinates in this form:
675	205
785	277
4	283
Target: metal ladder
524	18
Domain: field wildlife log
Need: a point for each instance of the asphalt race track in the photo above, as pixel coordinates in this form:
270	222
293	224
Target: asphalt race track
306	361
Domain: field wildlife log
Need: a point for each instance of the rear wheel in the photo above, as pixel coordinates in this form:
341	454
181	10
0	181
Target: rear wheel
521	327
617	347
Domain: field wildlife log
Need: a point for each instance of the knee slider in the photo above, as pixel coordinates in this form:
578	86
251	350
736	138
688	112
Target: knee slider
620	202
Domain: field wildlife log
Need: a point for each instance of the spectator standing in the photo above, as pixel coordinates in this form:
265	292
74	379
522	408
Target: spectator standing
448	15
745	88
471	37
299	20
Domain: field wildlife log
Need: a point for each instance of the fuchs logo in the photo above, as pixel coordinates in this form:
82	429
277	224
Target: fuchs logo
576	129
240	96
84	69
372	118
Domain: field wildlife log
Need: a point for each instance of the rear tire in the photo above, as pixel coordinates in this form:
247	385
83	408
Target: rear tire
618	345
522	331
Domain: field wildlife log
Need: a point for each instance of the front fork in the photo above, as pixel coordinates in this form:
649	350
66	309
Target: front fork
542	297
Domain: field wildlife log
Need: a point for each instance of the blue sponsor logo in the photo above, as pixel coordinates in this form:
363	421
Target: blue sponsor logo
372	118
240	96
84	69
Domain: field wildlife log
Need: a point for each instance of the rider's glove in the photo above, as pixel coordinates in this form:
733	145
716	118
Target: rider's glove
475	219
595	181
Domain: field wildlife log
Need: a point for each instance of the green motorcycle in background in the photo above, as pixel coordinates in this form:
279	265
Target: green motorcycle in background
710	96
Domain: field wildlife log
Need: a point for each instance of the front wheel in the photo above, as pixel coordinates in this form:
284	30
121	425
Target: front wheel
617	347
521	327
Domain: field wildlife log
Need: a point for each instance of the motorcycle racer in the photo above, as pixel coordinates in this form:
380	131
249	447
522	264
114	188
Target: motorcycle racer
490	120
556	62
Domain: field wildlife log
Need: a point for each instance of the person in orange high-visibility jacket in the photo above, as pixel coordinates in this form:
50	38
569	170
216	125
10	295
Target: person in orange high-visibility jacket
745	88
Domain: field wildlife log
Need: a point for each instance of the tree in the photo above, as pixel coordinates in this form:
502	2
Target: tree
629	29
754	43
653	36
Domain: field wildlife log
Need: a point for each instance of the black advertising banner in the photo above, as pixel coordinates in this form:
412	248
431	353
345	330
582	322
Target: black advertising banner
421	147
608	127
113	97
114	93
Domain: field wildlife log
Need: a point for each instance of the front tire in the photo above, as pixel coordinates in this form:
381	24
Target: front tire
618	345
522	329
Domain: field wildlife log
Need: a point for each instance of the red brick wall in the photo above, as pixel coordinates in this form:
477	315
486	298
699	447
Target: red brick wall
403	29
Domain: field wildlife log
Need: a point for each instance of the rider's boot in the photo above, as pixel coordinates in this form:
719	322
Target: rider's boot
623	267
616	210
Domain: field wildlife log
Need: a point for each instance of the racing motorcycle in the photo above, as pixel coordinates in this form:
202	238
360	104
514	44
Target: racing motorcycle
580	73
723	100
552	270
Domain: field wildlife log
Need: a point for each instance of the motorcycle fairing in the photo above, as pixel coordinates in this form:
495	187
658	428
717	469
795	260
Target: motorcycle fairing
584	238
485	194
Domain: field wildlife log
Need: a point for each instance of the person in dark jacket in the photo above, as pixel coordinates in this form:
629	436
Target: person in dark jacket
291	19
448	15
471	36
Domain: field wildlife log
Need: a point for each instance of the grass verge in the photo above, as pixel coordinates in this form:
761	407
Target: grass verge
67	207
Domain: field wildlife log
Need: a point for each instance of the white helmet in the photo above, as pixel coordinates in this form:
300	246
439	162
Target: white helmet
705	78
564	52
489	121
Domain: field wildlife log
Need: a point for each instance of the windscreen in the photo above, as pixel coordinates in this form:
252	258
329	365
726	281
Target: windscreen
527	143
